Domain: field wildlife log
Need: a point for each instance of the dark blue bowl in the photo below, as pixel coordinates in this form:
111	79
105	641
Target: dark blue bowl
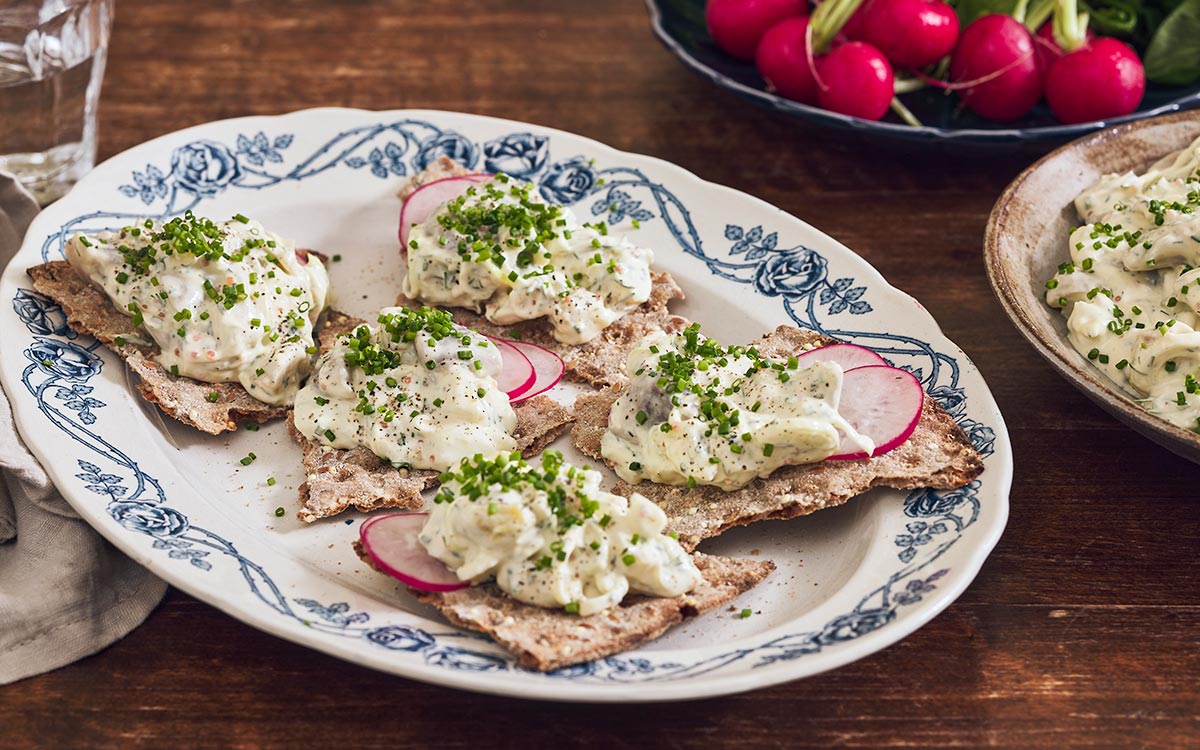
679	24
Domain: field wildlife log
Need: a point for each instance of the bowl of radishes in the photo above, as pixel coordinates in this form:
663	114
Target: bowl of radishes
981	71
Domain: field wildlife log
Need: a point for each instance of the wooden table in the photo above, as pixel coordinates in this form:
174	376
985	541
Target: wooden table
1083	629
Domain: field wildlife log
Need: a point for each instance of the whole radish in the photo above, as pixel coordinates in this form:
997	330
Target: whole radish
1099	80
995	63
853	30
852	78
1094	79
855	79
737	25
783	61
1047	46
911	33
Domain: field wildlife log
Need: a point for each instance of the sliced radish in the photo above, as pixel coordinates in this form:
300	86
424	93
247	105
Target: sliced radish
392	543
848	356
428	198
517	375
547	366
883	403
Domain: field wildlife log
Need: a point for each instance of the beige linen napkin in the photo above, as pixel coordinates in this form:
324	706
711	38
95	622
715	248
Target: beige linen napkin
65	593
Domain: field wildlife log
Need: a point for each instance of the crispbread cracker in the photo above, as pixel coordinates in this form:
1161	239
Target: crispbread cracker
336	323
938	455
546	639
336	479
89	311
601	361
443	168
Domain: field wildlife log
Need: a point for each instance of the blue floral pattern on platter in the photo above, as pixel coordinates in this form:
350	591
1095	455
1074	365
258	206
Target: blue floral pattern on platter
799	277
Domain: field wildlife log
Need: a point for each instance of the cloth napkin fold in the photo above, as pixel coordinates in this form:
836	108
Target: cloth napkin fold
65	593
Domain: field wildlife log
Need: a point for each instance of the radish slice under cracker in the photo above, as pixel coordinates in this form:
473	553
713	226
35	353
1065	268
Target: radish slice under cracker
517	375
884	403
392	542
428	198
547	366
848	356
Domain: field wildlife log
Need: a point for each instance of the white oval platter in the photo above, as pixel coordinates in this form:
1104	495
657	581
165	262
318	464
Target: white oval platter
851	580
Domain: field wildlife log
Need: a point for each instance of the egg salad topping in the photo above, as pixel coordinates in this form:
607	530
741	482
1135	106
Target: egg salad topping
549	536
502	250
224	302
696	412
415	389
1131	290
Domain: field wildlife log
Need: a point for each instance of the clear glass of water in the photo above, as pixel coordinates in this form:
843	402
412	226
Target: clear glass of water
52	55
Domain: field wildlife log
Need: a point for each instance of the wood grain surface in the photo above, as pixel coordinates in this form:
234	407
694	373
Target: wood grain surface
1083	630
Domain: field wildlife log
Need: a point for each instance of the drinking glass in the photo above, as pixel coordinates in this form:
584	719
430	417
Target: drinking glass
52	55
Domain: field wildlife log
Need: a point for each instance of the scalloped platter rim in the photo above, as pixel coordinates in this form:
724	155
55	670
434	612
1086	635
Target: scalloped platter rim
851	580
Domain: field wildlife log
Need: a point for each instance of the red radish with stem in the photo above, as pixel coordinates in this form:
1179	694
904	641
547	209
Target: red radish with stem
853	30
910	33
1095	79
782	59
392	542
852	78
994	60
1047	47
855	79
737	25
829	19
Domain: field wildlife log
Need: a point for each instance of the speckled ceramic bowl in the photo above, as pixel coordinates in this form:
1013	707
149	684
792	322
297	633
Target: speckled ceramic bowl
1025	243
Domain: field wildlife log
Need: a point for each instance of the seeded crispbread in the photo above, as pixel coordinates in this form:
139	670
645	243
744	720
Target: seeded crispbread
938	455
89	311
600	361
336	479
444	167
546	639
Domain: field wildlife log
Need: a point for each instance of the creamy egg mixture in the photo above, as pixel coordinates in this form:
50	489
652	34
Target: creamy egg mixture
225	303
696	412
549	536
415	389
501	250
1131	291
